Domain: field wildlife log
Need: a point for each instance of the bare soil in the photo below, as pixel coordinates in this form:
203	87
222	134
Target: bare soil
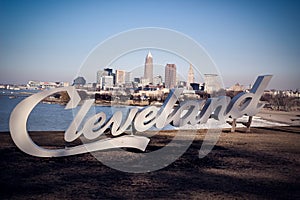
263	164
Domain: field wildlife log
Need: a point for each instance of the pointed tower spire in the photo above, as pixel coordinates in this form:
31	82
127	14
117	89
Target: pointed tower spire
149	55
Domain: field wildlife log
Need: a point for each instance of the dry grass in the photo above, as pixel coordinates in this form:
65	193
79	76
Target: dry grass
263	164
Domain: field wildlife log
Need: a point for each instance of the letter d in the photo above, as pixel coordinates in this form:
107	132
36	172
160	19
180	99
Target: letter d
248	103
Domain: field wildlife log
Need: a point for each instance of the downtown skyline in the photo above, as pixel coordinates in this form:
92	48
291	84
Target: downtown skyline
49	40
164	75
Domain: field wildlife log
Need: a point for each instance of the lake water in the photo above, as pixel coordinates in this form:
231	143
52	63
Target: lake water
43	117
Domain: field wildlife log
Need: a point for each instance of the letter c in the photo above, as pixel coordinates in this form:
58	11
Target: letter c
19	116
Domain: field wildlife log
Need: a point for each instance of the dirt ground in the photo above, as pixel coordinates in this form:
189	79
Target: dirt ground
263	164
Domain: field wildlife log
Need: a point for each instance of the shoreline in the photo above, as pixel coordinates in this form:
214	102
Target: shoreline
290	118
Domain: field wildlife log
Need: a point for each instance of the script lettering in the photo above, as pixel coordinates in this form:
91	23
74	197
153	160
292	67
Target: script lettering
188	112
145	119
248	103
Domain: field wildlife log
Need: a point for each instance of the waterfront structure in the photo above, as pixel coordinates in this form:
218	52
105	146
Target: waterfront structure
191	76
148	70
170	76
33	84
65	84
79	81
45	84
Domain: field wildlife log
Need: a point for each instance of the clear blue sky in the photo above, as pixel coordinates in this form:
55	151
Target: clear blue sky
48	40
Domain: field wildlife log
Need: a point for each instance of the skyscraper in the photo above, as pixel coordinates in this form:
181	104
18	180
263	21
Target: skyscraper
148	70
191	77
128	77
170	76
120	77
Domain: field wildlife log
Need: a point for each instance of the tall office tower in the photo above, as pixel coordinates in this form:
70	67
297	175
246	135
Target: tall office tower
128	77
120	77
170	76
148	70
191	77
